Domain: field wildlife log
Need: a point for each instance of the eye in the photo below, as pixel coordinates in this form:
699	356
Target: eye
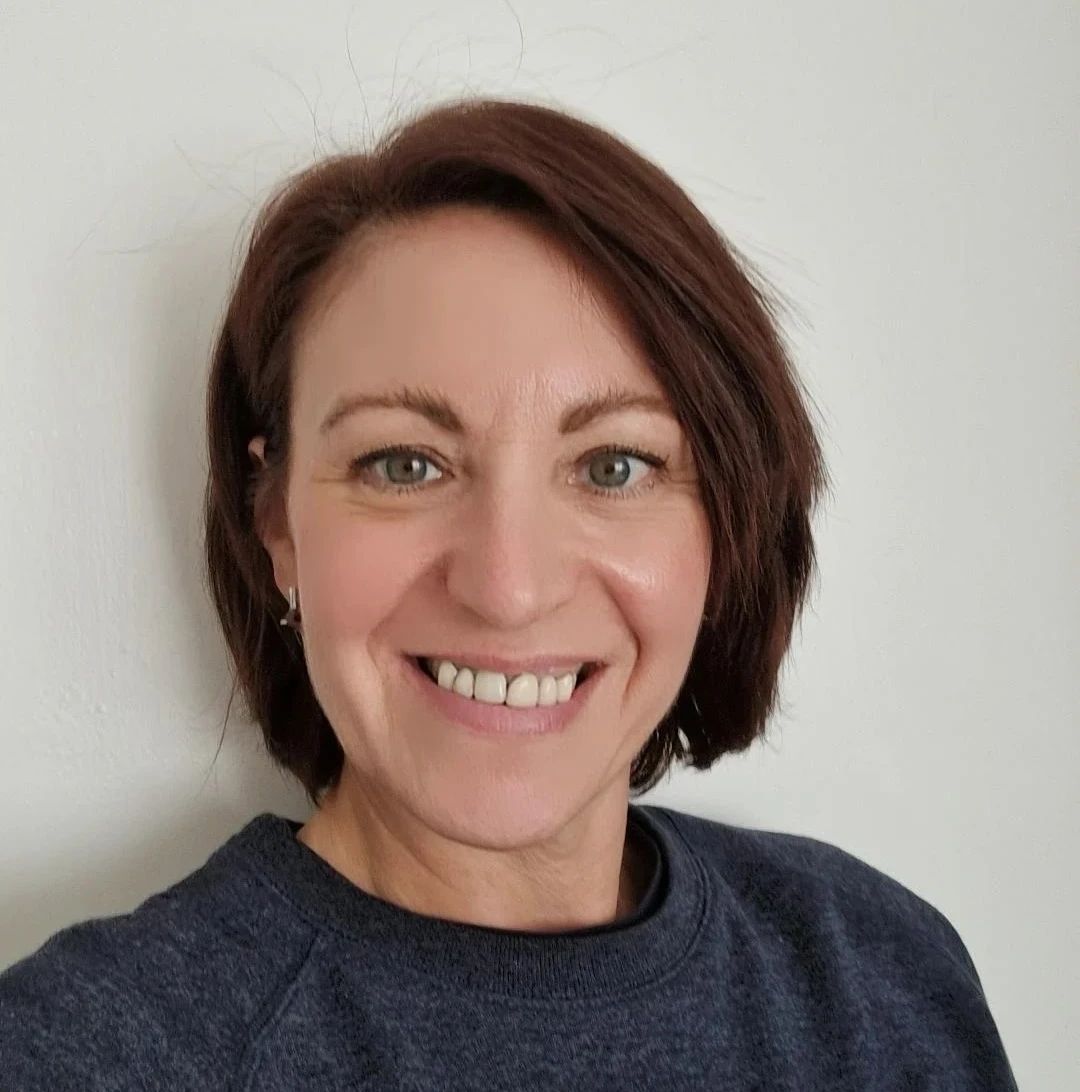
404	467
611	468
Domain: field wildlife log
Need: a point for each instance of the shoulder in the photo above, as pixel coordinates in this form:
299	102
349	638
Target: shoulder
163	996
847	955
794	882
842	942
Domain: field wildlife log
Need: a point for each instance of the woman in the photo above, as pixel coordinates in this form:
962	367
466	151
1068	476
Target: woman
508	511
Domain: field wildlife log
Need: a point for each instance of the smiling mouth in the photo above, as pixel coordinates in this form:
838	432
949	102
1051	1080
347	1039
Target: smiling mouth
587	669
510	708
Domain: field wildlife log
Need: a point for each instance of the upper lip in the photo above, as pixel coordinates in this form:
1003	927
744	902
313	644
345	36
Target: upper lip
550	664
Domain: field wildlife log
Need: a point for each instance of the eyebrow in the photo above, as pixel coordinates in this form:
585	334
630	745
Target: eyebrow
439	411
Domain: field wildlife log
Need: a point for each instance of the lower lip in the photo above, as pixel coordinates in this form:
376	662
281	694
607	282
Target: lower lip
501	720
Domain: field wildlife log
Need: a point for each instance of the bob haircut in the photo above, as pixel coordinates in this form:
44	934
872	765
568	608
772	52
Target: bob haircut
699	311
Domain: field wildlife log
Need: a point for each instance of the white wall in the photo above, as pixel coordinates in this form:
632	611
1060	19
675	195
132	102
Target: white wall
906	174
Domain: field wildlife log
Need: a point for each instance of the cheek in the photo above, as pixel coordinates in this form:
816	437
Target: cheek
353	573
659	574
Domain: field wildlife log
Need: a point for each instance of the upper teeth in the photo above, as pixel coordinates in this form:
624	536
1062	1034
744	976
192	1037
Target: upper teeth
495	688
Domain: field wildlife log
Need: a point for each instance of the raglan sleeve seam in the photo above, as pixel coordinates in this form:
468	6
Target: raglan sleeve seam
268	1017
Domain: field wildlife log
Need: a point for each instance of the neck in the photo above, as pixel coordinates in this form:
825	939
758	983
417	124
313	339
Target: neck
587	875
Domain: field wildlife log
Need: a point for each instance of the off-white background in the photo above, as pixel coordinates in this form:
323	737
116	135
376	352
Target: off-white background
905	173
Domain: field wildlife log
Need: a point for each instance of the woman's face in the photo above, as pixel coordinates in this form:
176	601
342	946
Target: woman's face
514	539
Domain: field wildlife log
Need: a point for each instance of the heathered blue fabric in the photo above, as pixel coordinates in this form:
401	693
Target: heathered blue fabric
758	960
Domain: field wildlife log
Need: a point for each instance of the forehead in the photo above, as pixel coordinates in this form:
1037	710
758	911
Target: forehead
474	302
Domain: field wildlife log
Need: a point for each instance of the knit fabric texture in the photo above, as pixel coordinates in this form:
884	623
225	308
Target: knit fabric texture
756	960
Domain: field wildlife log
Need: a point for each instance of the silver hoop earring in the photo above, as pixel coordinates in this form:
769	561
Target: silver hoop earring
291	617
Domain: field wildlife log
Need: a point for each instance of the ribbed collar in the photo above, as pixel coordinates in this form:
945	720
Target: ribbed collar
591	962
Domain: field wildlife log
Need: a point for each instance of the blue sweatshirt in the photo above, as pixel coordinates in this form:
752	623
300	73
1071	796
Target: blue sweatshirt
756	960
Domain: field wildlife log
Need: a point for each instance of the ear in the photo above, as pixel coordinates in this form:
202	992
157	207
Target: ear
272	526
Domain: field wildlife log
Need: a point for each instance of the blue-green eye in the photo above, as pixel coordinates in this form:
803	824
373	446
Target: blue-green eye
614	462
404	467
614	469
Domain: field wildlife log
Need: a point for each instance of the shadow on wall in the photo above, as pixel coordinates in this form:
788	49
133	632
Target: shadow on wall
189	294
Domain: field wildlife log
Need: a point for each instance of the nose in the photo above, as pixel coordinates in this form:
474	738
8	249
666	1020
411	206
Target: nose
512	559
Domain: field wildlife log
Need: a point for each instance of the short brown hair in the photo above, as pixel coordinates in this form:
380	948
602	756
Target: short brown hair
702	314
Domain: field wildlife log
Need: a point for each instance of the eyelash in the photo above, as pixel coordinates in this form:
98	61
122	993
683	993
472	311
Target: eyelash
361	462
